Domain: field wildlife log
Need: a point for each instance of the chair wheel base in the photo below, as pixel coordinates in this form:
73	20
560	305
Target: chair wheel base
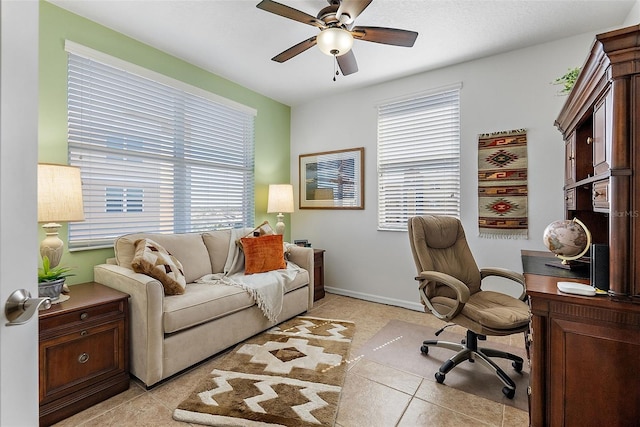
440	377
517	366
424	349
508	392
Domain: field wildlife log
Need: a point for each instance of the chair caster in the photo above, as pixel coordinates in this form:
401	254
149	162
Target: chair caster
509	392
439	377
517	366
424	349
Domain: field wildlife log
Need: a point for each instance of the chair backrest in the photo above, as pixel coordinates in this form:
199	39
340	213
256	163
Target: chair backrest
438	243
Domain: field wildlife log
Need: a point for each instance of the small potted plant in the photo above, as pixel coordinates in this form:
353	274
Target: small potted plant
51	279
568	80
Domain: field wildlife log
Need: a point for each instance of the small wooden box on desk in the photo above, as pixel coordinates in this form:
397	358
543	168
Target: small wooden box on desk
84	351
584	353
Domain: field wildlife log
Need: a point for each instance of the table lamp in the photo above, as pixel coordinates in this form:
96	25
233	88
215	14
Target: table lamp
280	200
59	200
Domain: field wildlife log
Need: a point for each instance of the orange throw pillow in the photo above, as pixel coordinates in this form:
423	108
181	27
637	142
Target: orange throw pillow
263	253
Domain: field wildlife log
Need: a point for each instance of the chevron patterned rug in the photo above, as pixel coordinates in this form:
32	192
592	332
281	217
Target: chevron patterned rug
290	375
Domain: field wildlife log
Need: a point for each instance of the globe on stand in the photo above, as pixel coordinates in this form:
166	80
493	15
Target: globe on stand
569	239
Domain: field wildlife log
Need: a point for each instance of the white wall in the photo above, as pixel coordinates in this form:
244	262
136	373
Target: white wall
634	16
503	92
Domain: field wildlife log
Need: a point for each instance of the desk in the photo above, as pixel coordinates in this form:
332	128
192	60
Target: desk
584	353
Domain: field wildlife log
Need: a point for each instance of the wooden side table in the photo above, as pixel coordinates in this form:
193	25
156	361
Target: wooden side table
318	274
83	351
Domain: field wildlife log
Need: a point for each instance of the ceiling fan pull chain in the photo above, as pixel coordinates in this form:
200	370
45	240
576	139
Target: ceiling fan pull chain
335	66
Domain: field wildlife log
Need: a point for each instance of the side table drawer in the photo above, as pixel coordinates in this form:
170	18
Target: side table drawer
77	359
89	314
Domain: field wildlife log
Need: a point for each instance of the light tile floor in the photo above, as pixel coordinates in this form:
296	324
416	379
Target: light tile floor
373	395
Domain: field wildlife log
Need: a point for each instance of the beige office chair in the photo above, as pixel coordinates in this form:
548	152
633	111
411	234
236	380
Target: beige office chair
450	289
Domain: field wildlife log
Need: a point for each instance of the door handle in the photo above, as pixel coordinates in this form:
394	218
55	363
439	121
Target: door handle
20	307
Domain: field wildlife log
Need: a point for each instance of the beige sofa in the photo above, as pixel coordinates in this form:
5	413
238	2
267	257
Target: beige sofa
171	333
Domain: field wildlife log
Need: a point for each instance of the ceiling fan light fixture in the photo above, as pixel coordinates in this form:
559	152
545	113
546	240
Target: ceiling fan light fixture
334	41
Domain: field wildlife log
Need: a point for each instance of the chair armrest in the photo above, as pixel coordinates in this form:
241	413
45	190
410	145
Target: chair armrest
507	274
303	258
461	290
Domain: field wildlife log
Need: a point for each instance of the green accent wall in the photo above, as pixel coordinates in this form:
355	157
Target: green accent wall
272	126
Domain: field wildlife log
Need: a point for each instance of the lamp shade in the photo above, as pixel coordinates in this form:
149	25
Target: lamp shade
59	193
334	41
280	198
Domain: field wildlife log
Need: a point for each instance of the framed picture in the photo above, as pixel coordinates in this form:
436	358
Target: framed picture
332	180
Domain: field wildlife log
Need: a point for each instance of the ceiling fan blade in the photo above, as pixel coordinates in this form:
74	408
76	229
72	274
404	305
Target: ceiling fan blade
295	50
347	63
383	35
353	8
289	12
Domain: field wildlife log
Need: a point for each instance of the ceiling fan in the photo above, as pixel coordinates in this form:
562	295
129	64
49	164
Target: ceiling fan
337	31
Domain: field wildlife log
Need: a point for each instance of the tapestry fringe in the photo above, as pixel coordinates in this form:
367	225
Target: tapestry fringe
486	235
502	133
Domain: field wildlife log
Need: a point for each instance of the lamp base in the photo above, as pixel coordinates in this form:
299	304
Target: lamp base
51	246
280	224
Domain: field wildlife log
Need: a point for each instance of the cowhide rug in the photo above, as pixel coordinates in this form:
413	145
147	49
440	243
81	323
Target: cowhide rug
290	375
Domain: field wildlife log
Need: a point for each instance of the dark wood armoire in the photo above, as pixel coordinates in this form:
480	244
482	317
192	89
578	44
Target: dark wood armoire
585	351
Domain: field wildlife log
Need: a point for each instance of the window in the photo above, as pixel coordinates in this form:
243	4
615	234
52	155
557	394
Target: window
419	158
156	155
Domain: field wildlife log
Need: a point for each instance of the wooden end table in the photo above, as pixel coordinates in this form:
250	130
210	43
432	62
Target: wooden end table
83	351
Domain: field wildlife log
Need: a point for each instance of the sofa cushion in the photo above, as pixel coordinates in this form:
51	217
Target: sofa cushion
153	260
217	243
262	254
203	302
188	248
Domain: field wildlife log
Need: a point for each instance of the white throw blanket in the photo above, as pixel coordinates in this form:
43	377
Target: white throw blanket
267	289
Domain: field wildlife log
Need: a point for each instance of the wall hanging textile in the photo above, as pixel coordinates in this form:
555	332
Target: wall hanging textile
502	185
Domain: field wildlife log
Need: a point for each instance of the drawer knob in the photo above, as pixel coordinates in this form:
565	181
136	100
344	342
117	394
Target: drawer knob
84	316
83	333
83	358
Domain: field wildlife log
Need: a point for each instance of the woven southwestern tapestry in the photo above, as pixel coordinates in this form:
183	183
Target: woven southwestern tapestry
290	375
502	185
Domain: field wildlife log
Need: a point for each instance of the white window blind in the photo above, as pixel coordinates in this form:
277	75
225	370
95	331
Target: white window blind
418	158
154	157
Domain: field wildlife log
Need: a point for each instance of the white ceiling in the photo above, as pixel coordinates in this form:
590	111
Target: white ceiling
236	40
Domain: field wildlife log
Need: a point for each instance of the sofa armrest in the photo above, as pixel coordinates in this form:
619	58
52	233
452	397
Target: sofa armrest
303	258
146	308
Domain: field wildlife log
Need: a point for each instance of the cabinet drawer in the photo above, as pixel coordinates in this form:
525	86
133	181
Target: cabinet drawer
600	196
79	358
78	317
570	199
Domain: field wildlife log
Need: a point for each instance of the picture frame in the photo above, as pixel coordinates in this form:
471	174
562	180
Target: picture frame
332	179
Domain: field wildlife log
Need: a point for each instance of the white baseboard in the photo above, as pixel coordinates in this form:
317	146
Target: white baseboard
416	306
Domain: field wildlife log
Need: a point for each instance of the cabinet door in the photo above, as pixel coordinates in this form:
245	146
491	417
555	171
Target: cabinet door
602	135
81	358
570	159
593	373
